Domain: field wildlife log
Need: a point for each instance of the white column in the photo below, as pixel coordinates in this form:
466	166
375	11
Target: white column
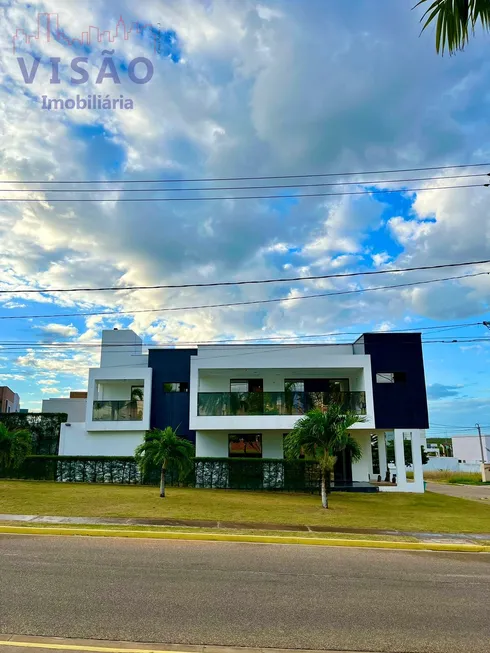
383	465
401	472
418	472
367	454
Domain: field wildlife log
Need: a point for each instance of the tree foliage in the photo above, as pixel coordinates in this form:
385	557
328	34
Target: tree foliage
162	448
15	446
323	435
43	427
455	20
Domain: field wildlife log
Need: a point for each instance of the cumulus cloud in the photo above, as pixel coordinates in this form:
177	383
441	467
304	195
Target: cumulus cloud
257	89
65	330
441	391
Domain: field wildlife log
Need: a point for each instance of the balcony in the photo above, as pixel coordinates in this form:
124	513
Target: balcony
214	404
118	411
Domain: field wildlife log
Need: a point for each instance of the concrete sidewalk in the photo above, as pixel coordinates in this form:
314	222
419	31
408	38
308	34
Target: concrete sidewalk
471	492
469	538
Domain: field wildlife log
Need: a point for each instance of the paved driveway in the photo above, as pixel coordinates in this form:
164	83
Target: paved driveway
473	492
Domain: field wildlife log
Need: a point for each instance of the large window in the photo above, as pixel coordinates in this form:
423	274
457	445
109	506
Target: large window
179	386
316	385
246	385
391	377
293	385
245	445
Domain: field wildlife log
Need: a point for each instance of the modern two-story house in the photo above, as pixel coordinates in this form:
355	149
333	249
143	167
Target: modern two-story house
242	400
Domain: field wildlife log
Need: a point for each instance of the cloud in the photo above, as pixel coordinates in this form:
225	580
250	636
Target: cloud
304	88
65	330
12	377
441	391
50	391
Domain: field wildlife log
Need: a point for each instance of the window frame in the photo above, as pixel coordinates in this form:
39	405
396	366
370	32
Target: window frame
181	384
291	381
397	378
238	381
242	454
258	382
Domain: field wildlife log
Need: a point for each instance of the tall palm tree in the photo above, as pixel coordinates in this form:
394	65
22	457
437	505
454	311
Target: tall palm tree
323	435
455	19
14	446
161	449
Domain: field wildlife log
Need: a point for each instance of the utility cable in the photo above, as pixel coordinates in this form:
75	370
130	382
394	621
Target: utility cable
240	197
245	303
221	188
265	177
215	284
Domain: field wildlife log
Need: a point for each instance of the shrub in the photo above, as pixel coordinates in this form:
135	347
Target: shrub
44	428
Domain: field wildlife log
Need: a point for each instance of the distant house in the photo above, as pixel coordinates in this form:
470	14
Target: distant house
467	448
9	400
74	406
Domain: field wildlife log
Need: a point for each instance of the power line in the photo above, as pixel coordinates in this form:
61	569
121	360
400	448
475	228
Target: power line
64	346
246	303
214	284
241	197
241	340
211	179
221	188
255	350
456	426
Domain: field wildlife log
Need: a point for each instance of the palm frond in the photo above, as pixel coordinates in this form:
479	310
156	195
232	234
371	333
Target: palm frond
454	20
14	446
162	448
323	435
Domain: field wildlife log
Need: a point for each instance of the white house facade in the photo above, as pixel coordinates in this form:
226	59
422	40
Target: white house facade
242	400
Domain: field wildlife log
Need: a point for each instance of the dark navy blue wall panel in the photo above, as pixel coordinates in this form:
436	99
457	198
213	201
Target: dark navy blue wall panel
398	405
171	408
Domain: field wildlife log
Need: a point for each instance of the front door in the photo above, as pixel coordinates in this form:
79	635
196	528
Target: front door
342	472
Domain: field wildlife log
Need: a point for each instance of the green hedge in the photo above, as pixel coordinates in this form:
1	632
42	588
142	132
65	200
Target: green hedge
222	473
120	470
44	428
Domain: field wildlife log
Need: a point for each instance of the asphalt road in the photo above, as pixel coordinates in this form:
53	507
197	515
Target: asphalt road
472	492
245	594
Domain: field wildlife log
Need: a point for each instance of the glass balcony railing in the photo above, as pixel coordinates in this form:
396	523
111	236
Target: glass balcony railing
212	404
117	411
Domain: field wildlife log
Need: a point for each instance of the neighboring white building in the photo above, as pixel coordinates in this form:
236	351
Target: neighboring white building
241	400
467	448
74	407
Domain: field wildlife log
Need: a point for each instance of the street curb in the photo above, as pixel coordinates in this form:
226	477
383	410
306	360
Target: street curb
257	539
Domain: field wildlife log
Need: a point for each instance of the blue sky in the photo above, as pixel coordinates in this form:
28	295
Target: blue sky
243	89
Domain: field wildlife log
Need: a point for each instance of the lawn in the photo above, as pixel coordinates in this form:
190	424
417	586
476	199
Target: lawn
422	512
465	478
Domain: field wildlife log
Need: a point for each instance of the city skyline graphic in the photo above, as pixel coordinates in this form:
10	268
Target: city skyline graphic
48	29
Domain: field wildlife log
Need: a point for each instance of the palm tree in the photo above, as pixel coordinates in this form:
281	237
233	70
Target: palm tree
14	447
161	449
455	19
323	435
